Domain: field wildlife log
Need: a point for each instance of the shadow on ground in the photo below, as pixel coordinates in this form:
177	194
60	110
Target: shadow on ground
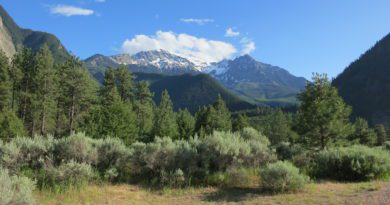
233	194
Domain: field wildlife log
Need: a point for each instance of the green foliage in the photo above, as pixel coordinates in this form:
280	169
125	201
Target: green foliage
125	84
76	94
387	145
5	82
282	176
185	124
322	116
233	177
15	189
381	134
274	123
363	134
240	122
165	120
286	150
355	163
69	174
144	109
10	125
214	117
44	93
76	147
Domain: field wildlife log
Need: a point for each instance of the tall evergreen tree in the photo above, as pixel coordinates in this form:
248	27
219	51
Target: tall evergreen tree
381	134
113	117
125	84
16	75
214	117
44	91
165	120
5	82
76	94
144	107
240	122
362	133
109	92
186	124
323	117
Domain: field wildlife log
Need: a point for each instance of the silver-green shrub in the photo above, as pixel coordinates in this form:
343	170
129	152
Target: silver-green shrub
15	190
282	176
76	147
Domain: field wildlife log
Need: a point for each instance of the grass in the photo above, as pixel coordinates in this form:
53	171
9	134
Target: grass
377	192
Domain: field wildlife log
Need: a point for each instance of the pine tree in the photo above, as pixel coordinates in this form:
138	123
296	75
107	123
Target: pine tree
44	91
165	119
144	109
5	83
323	116
220	116
109	92
113	117
362	133
381	134
186	124
10	125
240	122
76	95
25	62
125	84
16	75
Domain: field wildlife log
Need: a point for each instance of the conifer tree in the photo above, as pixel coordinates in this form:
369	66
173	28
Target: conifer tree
186	124
125	84
362	133
323	116
220	116
165	119
76	94
16	75
109	92
5	83
381	134
144	107
240	122
44	91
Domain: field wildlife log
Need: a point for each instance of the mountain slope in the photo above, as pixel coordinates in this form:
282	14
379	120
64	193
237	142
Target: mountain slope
365	84
156	61
191	91
26	37
258	81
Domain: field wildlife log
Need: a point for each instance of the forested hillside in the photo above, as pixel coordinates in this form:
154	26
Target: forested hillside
365	84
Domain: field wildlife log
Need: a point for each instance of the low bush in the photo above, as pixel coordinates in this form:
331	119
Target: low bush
387	145
69	174
286	150
355	163
15	189
76	147
233	177
282	176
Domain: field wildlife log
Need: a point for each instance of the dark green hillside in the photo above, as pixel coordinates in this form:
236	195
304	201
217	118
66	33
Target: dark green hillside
191	91
365	84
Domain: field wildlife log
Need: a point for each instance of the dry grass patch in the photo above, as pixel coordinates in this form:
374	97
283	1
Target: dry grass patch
371	193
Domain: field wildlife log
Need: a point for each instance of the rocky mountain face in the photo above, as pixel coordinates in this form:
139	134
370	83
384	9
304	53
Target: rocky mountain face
365	84
156	61
12	37
252	80
257	81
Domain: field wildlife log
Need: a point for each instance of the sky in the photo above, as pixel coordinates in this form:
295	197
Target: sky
302	36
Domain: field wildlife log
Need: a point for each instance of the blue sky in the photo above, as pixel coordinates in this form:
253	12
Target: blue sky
302	36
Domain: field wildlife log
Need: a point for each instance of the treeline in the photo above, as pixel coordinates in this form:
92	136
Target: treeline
40	97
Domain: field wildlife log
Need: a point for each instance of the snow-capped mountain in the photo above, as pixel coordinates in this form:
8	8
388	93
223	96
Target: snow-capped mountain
244	75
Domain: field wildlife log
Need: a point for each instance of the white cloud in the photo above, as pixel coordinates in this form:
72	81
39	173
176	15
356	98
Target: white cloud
184	45
68	11
247	46
197	21
231	33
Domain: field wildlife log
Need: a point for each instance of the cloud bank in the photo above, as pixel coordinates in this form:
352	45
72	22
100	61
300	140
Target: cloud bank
247	46
68	11
184	45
